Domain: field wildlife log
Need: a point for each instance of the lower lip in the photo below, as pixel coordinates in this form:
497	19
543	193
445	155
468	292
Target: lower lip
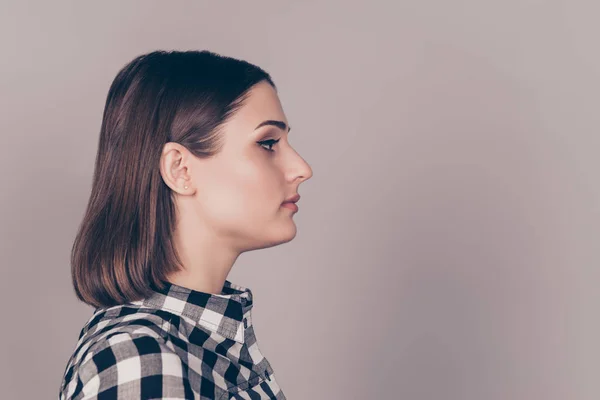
291	206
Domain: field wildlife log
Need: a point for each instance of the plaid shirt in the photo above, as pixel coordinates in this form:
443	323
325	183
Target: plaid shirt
177	343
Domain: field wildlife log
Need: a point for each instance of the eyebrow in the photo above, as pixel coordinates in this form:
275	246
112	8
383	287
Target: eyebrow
280	124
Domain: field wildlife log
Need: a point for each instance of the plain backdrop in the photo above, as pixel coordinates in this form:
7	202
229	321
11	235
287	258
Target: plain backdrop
448	242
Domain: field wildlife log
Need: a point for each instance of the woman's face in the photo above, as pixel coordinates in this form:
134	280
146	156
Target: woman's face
238	193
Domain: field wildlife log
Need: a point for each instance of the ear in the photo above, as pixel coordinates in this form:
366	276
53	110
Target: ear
175	168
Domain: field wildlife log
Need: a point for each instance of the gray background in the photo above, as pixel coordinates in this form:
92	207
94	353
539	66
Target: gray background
447	243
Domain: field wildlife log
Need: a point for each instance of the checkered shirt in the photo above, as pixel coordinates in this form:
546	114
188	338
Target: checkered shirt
177	343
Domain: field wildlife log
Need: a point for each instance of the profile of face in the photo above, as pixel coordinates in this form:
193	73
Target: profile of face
235	197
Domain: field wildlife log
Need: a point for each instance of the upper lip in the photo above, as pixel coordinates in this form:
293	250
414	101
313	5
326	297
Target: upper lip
292	199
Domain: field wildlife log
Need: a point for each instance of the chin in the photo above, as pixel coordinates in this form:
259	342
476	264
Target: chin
283	235
291	235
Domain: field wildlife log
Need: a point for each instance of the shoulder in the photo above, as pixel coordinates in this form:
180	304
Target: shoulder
118	321
136	365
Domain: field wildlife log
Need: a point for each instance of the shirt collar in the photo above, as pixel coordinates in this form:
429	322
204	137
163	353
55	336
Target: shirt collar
227	313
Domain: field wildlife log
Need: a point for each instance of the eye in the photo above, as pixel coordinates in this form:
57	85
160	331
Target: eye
269	143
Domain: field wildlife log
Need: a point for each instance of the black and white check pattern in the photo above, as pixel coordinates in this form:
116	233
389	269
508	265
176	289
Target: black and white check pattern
177	343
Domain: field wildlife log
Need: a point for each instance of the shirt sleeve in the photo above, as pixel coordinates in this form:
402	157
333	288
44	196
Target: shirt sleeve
134	366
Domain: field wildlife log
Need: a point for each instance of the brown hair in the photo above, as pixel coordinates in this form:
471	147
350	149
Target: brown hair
123	248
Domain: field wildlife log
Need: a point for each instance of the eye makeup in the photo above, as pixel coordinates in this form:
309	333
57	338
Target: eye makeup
270	143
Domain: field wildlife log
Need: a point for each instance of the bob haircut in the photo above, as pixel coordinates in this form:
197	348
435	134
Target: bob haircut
123	248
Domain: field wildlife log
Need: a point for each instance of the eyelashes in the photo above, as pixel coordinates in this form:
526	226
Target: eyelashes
270	143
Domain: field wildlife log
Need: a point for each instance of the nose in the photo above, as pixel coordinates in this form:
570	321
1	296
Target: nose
298	167
305	171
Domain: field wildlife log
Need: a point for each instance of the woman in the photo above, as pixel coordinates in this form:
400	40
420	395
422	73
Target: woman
193	168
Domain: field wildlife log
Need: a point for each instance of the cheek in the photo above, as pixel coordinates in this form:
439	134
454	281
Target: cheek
246	192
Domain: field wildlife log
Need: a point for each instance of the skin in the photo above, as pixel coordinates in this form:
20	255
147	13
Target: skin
233	200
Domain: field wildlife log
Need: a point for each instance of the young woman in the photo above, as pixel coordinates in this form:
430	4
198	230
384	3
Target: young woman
193	168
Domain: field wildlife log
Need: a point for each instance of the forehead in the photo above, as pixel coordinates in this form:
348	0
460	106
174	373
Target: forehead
261	104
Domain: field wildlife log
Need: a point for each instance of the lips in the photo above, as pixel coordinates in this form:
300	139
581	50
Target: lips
290	205
292	199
